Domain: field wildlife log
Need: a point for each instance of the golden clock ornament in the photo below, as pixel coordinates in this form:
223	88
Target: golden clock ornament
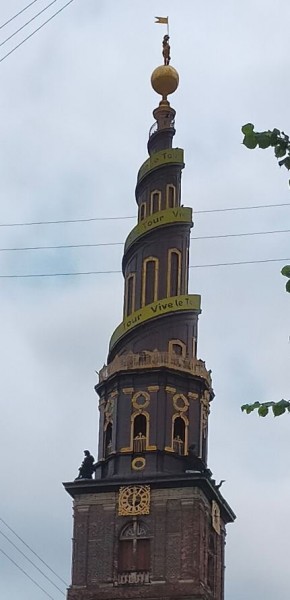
134	500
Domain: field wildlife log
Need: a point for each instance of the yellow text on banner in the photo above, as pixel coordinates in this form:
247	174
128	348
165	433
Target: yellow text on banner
173	304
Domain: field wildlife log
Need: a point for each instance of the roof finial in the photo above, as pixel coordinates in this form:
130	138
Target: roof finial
165	78
166	50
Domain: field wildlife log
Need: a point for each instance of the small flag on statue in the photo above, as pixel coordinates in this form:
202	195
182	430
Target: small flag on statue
163	20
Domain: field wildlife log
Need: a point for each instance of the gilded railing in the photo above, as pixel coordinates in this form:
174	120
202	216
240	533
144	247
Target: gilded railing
155	359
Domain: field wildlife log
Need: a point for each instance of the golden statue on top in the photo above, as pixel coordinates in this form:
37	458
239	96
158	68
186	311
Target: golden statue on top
166	50
165	78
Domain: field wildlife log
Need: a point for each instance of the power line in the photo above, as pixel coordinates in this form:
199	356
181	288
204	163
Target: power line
88	220
33	552
241	208
36	30
32	563
26	574
96	245
77	273
27	23
19	13
240	262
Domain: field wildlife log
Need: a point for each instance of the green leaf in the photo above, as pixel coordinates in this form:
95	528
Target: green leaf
264	140
248	408
288	286
280	150
263	410
250	141
248	128
279	408
275	137
286	271
287	163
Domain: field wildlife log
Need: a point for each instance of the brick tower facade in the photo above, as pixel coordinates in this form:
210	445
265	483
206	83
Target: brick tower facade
151	523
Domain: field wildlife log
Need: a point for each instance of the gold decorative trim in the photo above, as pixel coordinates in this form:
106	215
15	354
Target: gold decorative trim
216	517
138	463
177	407
169	265
153	388
128	390
169	389
135	403
134	500
204	413
193	395
144	274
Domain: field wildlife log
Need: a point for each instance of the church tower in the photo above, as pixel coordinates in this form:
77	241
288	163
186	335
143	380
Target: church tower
151	522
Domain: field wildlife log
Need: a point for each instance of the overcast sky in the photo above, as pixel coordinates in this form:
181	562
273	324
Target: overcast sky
76	106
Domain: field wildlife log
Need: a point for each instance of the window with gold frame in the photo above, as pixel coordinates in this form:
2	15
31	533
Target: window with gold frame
155	201
173	272
170	196
180	434
130	294
150	274
142	211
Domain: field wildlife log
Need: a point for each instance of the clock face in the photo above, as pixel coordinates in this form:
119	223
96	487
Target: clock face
134	500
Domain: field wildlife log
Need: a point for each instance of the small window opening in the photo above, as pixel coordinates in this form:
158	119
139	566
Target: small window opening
179	436
155	202
150	281
142	211
174	274
177	349
171	196
140	433
134	549
130	295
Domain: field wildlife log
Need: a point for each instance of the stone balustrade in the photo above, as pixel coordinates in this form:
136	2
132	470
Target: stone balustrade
155	359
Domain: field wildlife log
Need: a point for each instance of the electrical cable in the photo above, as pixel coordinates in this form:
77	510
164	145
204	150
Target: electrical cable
36	30
32	563
96	245
33	552
76	273
87	220
19	13
27	23
27	575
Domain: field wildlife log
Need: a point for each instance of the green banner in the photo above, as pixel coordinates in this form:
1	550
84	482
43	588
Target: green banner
164	157
155	309
160	218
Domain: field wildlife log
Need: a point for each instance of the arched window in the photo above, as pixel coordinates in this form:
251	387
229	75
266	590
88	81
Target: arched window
130	294
108	440
142	211
134	548
173	272
178	442
140	433
150	280
177	348
155	201
170	196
